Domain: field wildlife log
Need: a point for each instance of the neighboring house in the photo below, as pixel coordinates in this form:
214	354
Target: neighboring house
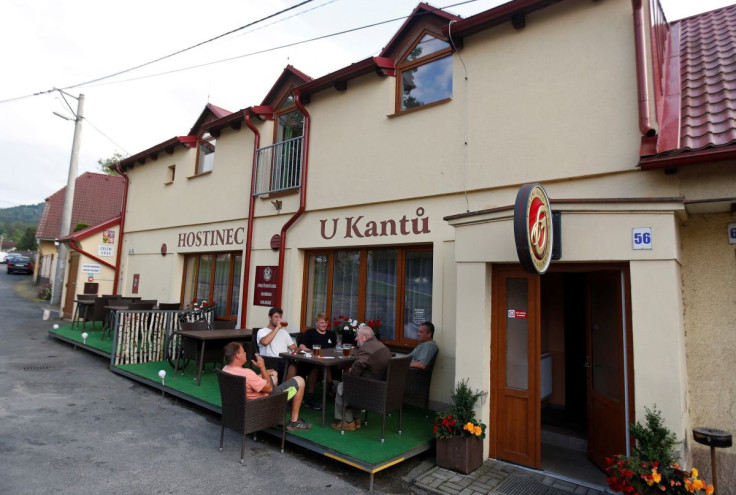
97	199
386	190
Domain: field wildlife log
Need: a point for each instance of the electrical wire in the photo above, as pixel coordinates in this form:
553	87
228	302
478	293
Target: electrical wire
106	136
86	83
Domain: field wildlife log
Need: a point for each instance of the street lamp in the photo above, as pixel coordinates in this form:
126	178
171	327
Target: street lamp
66	215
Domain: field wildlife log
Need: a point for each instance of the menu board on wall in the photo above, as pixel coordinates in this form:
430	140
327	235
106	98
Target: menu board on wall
266	284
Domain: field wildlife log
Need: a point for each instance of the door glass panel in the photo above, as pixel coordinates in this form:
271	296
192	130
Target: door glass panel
222	274
190	285
235	300
316	288
517	333
380	291
203	282
417	292
605	336
345	284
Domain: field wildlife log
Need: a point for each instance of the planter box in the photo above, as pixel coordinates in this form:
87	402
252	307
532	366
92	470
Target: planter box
460	454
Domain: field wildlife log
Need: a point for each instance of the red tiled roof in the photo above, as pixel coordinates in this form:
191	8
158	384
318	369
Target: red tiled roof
97	198
92	229
708	79
700	105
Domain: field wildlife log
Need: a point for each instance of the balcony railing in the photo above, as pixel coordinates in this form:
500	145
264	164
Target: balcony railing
279	167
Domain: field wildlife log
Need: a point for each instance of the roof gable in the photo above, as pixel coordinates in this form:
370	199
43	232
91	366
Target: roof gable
97	197
423	18
289	78
211	112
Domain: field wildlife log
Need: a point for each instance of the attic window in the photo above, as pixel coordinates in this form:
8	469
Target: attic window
206	154
171	174
425	74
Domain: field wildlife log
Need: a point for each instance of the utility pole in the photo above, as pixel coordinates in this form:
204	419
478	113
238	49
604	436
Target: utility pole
66	215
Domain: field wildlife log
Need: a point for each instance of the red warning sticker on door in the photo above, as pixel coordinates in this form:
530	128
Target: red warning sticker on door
515	313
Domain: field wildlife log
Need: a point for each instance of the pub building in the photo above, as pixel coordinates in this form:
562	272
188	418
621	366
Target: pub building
545	181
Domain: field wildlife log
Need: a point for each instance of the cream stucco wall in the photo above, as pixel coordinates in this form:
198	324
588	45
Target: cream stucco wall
106	276
709	294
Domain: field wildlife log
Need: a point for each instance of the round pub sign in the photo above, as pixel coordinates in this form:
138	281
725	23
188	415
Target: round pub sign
533	228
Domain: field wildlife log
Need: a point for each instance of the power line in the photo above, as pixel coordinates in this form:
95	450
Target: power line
164	57
266	50
107	137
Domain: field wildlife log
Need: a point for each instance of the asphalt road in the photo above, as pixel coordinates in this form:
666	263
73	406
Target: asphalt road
68	426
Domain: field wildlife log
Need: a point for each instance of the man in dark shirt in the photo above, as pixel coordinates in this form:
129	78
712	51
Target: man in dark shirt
372	362
327	339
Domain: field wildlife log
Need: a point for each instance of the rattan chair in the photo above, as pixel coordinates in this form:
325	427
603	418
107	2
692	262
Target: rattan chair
417	385
249	416
381	397
96	313
80	310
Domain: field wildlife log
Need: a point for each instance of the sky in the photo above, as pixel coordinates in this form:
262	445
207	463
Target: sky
61	43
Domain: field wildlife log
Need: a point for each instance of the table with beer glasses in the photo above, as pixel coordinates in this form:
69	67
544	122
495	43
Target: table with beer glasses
328	358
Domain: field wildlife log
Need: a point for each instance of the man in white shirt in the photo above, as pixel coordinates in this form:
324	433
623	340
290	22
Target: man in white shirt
274	339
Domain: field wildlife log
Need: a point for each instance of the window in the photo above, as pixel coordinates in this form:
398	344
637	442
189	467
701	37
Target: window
390	284
170	174
425	74
206	154
215	277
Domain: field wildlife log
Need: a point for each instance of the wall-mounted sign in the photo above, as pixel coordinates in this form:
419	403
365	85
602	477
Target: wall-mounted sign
533	228
641	238
265	286
358	227
91	268
104	250
515	313
136	283
732	233
108	237
218	237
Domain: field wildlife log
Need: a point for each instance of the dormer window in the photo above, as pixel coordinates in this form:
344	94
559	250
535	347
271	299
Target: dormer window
206	154
425	74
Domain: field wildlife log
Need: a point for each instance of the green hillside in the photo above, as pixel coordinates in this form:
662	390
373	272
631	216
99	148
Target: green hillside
19	222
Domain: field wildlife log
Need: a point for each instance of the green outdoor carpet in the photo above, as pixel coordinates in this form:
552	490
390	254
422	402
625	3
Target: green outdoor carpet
94	336
364	444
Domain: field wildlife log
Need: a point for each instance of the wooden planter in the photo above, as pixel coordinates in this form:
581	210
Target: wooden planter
461	454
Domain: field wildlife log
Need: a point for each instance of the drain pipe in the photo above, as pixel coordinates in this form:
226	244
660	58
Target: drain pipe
302	194
122	227
642	81
251	215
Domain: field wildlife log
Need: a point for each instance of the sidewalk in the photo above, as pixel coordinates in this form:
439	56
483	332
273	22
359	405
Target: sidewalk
495	477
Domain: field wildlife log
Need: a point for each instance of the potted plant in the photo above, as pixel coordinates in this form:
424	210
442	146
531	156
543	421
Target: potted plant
652	467
347	328
459	434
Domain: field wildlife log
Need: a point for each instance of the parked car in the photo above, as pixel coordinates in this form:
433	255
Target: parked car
11	256
20	264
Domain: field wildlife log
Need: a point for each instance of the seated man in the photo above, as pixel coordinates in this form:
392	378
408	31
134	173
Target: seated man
261	386
425	352
274	339
327	339
372	362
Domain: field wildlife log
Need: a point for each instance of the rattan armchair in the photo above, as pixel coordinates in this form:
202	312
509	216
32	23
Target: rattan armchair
417	386
381	397
249	416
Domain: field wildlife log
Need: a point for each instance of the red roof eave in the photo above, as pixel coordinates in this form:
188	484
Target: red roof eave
88	231
152	152
381	65
496	16
671	160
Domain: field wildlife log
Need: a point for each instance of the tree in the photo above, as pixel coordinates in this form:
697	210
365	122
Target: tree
28	241
108	162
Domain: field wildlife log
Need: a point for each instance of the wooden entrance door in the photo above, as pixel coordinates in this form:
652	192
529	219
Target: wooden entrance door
71	285
605	366
515	423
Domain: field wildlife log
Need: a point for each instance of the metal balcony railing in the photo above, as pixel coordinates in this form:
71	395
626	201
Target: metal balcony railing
279	167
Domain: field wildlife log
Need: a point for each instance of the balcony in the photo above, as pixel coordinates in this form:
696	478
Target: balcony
279	167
